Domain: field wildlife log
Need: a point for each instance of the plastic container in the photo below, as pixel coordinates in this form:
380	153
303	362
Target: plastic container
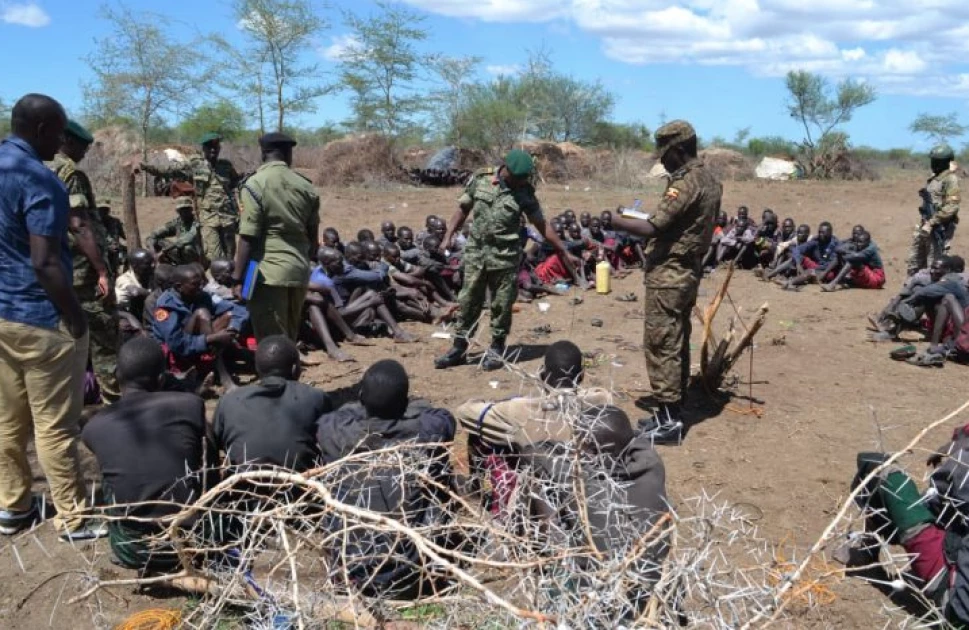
603	277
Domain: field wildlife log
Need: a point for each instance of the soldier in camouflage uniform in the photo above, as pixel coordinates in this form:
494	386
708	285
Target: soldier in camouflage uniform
215	181
679	232
89	247
933	235
498	197
178	242
114	230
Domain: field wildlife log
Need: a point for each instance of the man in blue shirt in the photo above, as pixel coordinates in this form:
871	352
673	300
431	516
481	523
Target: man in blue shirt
816	260
43	330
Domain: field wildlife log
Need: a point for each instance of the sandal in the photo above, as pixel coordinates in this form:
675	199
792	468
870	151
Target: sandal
903	353
927	359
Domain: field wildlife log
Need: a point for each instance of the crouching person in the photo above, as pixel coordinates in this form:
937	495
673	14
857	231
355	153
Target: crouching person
152	449
411	485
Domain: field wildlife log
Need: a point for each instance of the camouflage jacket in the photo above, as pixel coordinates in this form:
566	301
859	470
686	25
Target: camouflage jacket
944	191
215	188
180	244
495	240
684	219
81	197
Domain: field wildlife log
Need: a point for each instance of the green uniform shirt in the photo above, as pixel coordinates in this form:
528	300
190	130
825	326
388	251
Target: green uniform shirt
281	215
944	191
495	240
214	187
684	219
186	247
81	198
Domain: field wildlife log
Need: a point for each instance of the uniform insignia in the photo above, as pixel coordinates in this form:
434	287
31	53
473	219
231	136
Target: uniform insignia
672	193
161	315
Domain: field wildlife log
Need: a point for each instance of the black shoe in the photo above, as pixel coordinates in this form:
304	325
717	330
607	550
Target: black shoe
494	358
665	426
12	522
457	355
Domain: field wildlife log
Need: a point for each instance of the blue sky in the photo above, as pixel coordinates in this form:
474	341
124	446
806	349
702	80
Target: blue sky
718	63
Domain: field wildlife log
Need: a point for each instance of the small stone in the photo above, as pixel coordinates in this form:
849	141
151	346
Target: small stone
597	323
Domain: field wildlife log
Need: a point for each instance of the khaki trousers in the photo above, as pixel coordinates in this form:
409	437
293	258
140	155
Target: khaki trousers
276	311
41	391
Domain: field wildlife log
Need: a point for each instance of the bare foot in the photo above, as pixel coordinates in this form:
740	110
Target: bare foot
359	340
341	357
828	288
306	361
404	337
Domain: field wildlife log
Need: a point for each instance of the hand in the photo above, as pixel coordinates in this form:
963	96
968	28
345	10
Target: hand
926	228
104	285
223	338
76	323
237	293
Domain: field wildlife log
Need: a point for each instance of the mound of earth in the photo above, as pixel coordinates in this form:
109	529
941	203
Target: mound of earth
358	159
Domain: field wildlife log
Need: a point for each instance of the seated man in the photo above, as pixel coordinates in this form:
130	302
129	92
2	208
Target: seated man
497	431
430	223
364	235
220	284
383	564
195	331
437	269
331	238
272	421
409	252
132	289
719	227
765	242
150	446
861	267
388	234
179	241
161	282
918	299
322	305
784	264
736	244
816	259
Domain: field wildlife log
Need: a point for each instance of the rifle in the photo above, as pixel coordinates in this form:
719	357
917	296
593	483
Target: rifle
927	211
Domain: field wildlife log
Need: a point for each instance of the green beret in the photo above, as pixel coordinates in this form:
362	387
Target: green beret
210	137
184	202
672	134
75	129
519	163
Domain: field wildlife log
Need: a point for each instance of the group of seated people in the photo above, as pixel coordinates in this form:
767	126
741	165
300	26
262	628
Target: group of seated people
789	255
157	453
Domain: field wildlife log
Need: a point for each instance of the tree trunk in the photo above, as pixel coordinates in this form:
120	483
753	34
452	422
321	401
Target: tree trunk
130	216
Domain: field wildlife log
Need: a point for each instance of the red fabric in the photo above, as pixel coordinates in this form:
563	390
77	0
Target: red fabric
962	340
928	549
867	278
552	270
810	265
205	363
503	481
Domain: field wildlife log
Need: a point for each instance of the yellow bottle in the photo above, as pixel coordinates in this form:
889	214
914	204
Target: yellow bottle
603	277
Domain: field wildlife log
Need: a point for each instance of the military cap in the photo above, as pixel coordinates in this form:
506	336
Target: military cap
519	163
184	202
942	152
672	134
276	139
210	137
78	131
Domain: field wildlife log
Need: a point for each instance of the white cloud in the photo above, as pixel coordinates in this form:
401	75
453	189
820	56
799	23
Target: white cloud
339	46
900	46
24	14
499	70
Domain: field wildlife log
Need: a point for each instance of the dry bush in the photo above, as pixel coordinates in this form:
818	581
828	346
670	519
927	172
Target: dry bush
619	168
112	148
727	164
361	159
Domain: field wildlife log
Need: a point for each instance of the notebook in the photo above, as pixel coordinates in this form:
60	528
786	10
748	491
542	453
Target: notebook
249	281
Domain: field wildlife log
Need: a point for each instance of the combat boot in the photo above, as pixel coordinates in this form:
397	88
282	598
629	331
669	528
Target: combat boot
665	426
456	356
495	357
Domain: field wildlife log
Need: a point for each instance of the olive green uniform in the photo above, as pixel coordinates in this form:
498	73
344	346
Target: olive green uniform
943	189
178	243
493	252
102	322
281	217
684	220
117	249
218	214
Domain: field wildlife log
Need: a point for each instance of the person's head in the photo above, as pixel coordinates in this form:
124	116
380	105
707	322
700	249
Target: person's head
941	157
405	238
741	224
77	141
825	232
575	231
569	216
769	220
164	277
856	232
432	244
142	263
563	365
676	144
605	431
518	169
364	235
185	209
803	233
372	251
430	220
958	264
595	227
438	228
389	230
722	219
211	146
788	227
863	239
743	212
384	390
584	219
606	217
221	270
187	282
40	121
392	254
104	208
277	356
353	252
331	260
331	238
141	365
277	147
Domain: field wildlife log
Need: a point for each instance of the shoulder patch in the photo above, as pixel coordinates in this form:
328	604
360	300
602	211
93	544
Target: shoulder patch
161	315
672	193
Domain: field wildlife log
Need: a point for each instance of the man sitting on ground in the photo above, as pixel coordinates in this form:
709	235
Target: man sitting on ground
272	421
331	238
388	234
151	447
815	259
132	289
382	564
861	267
409	252
784	264
918	299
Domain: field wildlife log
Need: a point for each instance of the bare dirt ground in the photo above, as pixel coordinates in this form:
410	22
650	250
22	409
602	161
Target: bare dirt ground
820	382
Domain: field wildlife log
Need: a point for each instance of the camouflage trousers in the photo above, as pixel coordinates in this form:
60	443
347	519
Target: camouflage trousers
926	248
503	285
666	340
219	242
103	355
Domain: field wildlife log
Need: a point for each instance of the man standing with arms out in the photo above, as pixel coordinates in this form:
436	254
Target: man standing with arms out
279	231
215	181
498	197
679	232
939	210
93	281
43	329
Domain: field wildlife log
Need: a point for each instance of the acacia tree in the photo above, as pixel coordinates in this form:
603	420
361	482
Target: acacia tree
242	73
453	74
821	110
938	128
278	31
221	116
381	66
140	73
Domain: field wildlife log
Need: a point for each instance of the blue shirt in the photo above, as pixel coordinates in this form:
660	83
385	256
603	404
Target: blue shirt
171	314
821	254
33	201
353	278
322	282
